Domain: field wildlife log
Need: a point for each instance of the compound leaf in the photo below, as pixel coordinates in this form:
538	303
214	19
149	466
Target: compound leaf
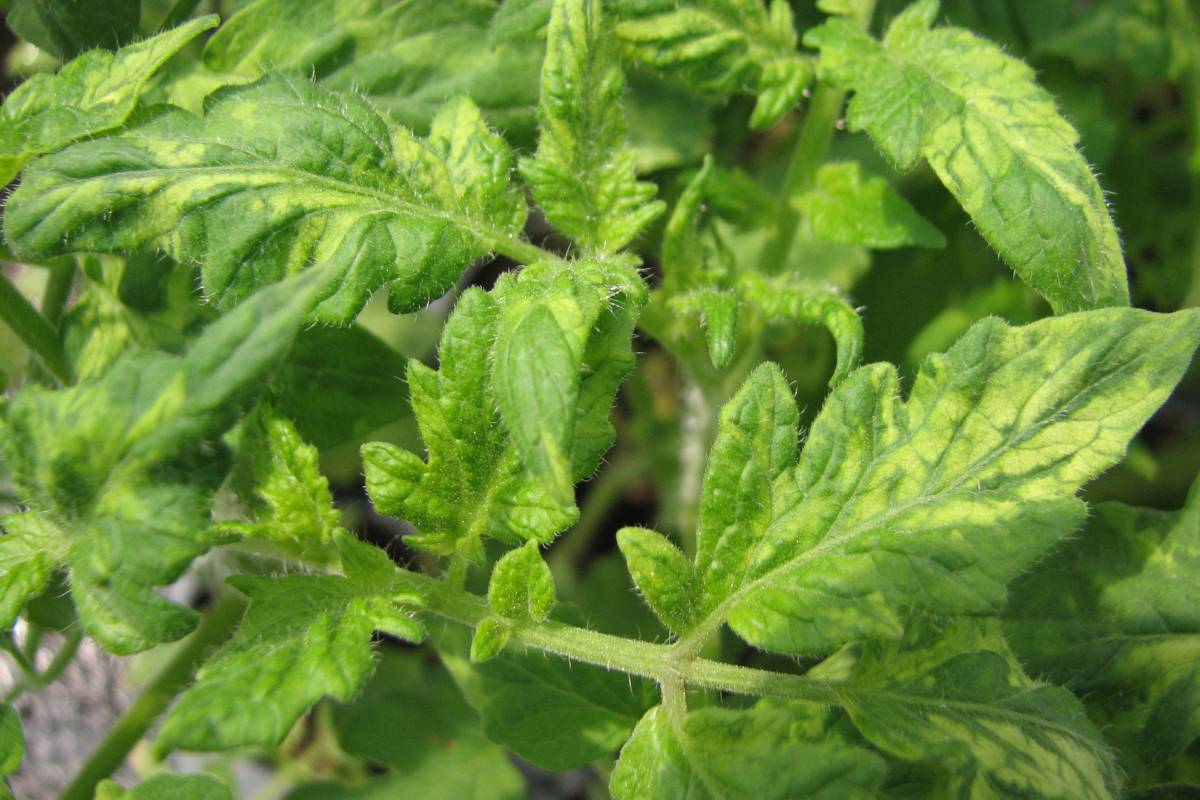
721	46
304	637
276	176
935	503
752	754
1115	615
118	471
583	174
408	57
995	139
91	94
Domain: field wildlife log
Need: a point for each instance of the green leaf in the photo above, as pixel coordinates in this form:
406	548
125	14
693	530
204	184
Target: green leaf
785	299
408	57
117	472
522	587
662	574
339	384
297	513
412	718
12	742
252	203
68	27
995	732
477	480
848	207
304	637
1115	615
92	94
489	639
583	174
523	695
721	46
995	139
935	503
754	754
167	787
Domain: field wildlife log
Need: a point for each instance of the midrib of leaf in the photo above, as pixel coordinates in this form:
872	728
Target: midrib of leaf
709	624
519	250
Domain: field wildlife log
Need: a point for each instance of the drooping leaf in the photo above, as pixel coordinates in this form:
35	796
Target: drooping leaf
995	139
524	696
297	513
583	174
846	206
1115	615
304	637
522	587
935	503
993	731
91	94
118	471
276	176
68	27
478	480
167	787
721	46
408	57
752	754
339	384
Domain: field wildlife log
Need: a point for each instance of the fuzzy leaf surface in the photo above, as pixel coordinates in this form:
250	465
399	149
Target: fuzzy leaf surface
408	57
304	637
522	587
1115	615
935	503
752	754
277	176
994	138
117	472
846	206
91	94
583	174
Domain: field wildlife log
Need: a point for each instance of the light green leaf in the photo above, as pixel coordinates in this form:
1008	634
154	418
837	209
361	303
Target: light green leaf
92	94
995	732
339	384
12	741
253	196
489	639
304	637
662	574
68	27
721	46
995	139
118	471
522	695
477	480
787	300
522	587
754	754
583	174
848	207
167	787
1115	615
297	513
408	57
935	503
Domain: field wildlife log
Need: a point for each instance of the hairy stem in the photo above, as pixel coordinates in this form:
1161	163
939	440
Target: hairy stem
34	330
58	288
659	662
179	671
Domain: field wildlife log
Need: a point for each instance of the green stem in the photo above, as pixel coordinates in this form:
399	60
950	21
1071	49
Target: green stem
179	671
64	656
9	646
524	251
58	289
33	329
658	662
